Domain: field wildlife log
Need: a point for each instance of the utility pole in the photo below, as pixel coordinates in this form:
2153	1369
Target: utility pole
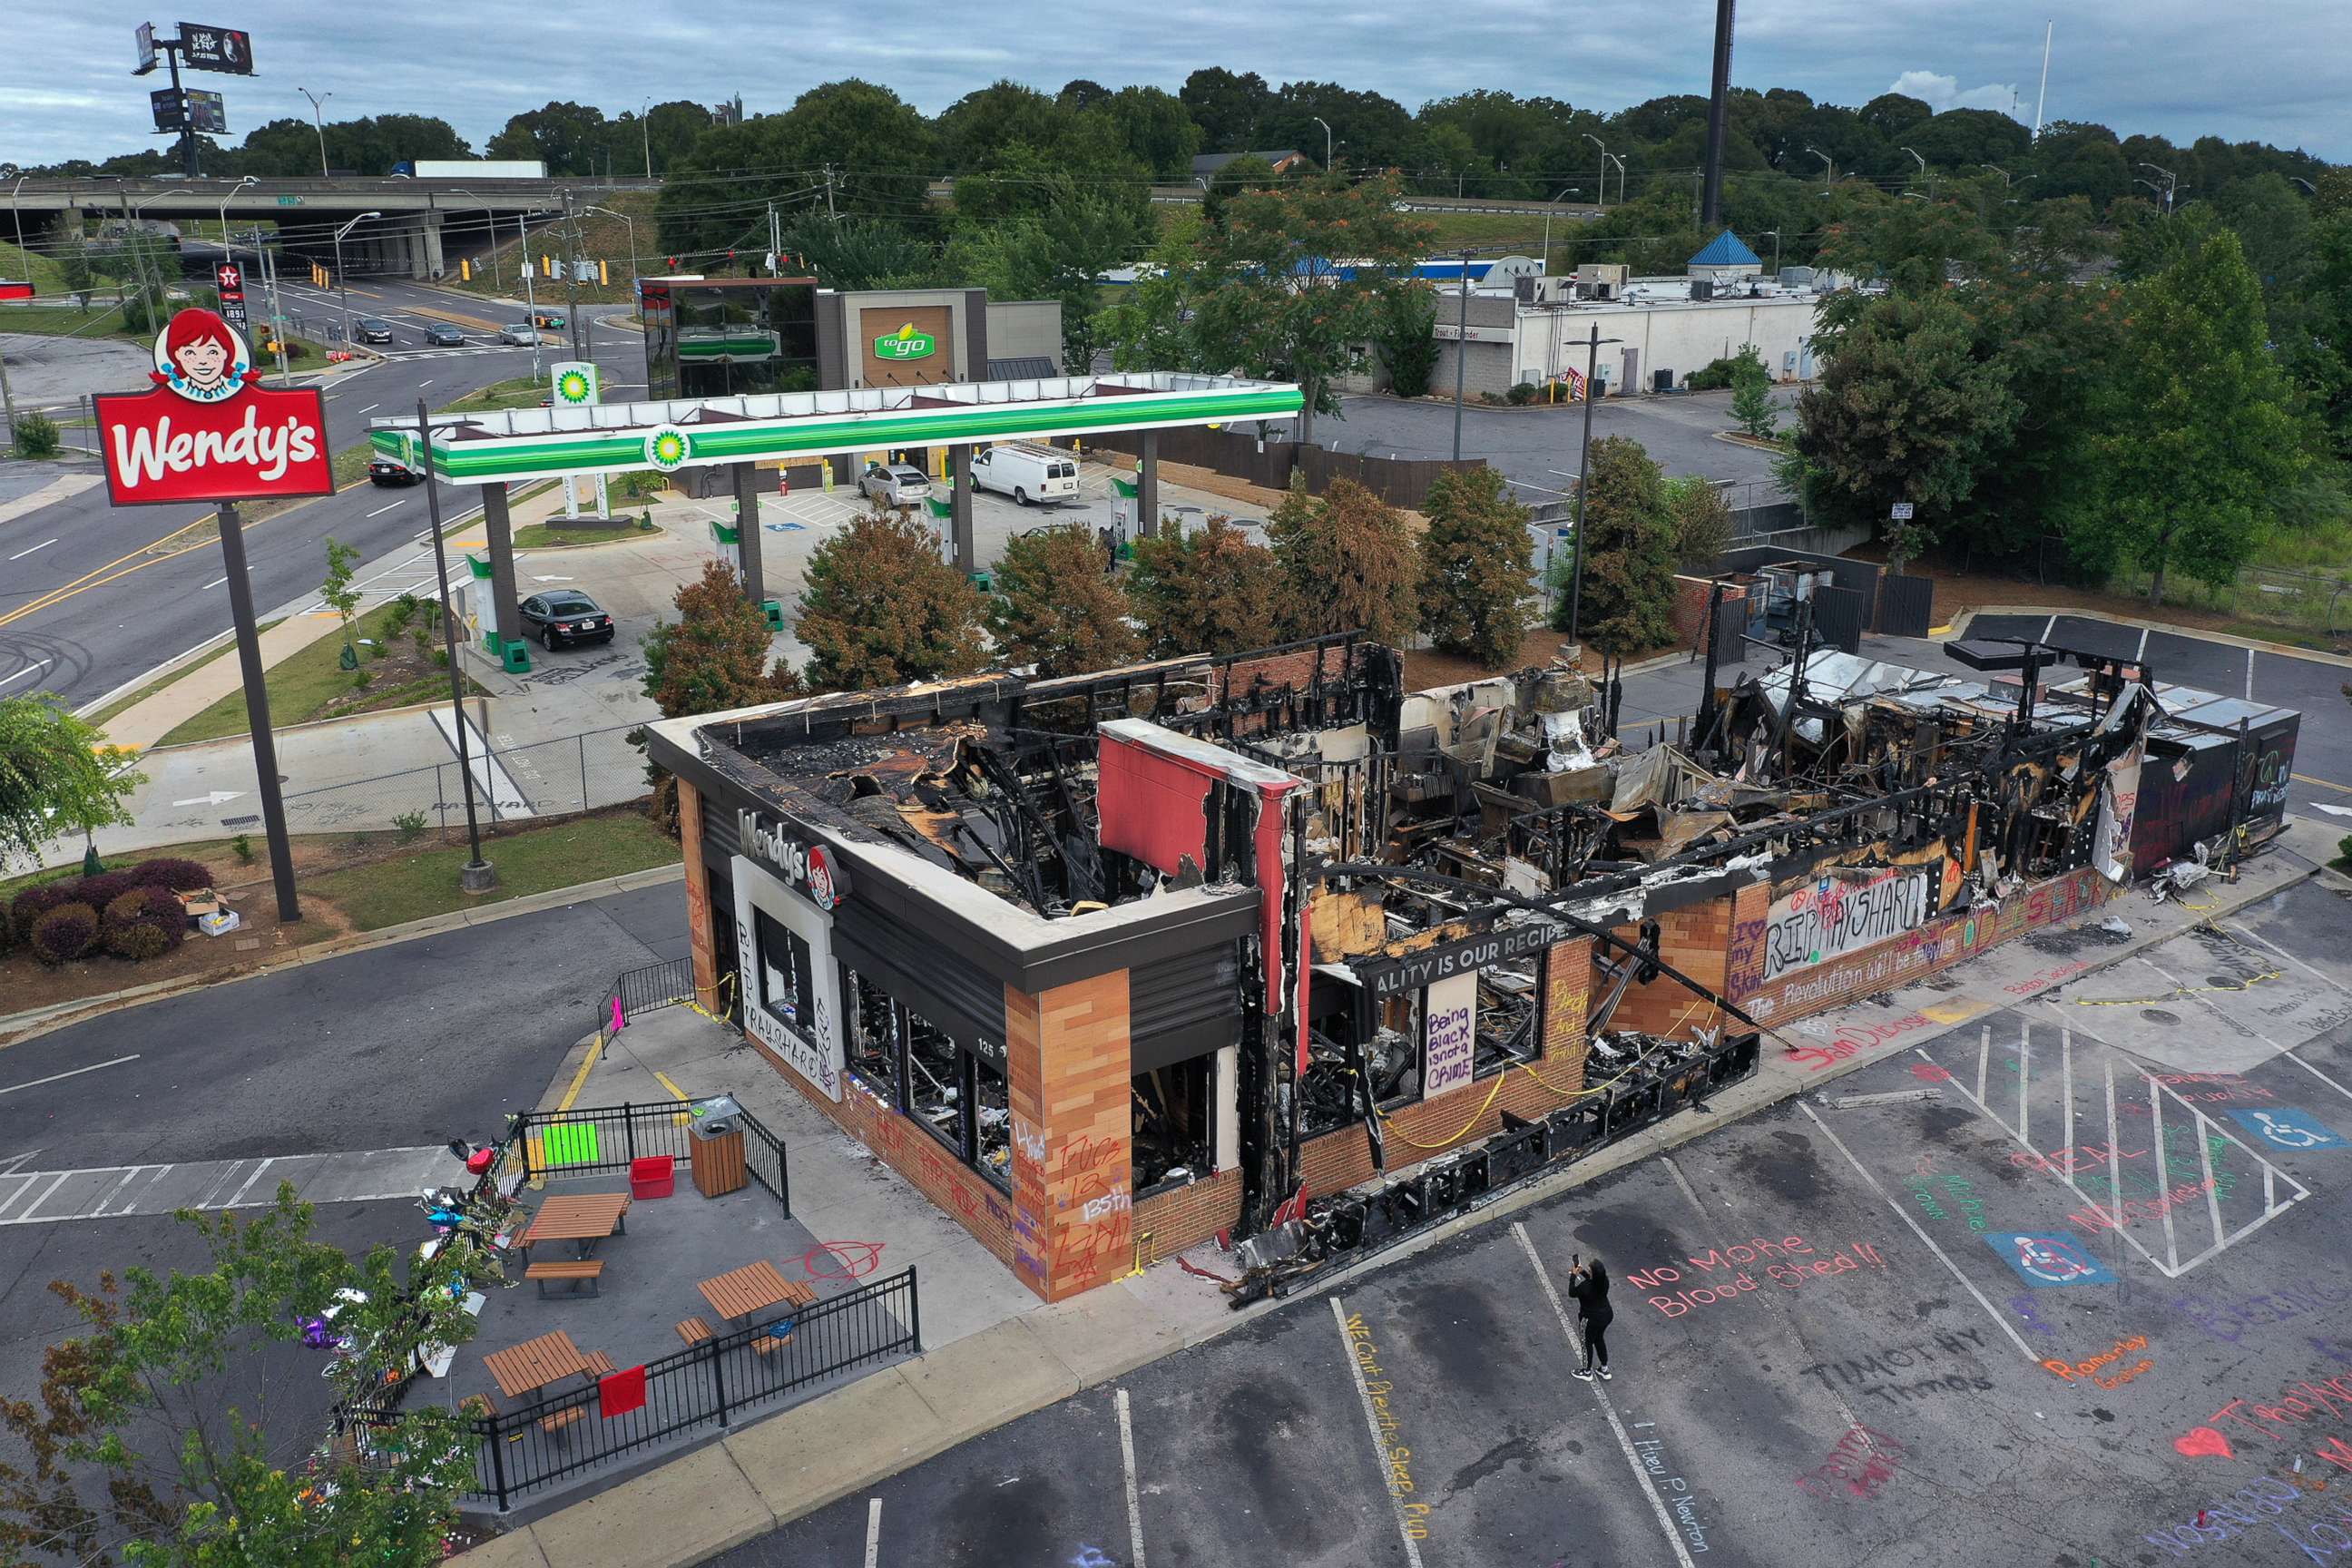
829	213
1584	484
7	401
476	876
1461	352
572	281
530	295
645	133
1717	111
270	282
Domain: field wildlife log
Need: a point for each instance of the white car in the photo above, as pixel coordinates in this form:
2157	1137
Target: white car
522	334
1028	474
895	484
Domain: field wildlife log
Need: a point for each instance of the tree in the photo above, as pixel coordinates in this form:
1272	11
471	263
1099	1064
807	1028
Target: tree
1270	297
1751	397
2190	434
1059	607
57	775
1228	109
1054	252
881	608
74	272
1628	550
1148	325
852	253
1210	591
1474	561
1702	520
1246	172
1904	411
1158	133
339	594
1349	558
1893	113
714	657
1404	338
876	145
568	137
183	1355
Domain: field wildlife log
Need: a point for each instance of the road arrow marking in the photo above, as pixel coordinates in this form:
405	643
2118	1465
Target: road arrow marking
218	797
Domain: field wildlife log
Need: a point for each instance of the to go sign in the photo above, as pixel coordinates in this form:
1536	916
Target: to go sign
906	343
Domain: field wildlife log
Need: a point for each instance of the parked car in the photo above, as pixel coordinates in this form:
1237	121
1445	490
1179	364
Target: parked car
1027	474
393	471
896	484
372	329
522	334
565	617
445	335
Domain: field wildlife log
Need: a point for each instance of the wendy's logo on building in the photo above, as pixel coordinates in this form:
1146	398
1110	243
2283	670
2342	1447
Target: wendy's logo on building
809	868
204	359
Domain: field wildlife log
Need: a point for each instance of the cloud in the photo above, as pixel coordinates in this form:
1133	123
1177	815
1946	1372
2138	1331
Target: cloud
1941	92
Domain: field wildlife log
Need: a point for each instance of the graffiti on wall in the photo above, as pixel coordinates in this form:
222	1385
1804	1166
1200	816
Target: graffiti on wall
1832	917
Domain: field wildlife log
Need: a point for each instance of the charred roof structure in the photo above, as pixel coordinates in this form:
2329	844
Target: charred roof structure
1226	944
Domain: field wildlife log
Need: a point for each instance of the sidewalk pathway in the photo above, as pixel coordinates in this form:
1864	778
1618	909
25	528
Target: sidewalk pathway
761	1474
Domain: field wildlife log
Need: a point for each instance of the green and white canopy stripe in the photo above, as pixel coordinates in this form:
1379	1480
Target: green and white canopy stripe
500	446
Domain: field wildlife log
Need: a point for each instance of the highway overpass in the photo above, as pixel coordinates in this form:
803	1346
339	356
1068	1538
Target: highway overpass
424	226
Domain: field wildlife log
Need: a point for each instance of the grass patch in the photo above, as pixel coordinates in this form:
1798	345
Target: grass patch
603	238
564	854
45	275
100	322
520	391
129	700
542	535
313	684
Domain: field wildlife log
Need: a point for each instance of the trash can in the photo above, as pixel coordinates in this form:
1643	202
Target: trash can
715	1153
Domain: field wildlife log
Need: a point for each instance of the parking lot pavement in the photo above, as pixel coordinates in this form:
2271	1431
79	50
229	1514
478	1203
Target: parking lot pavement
2064	1285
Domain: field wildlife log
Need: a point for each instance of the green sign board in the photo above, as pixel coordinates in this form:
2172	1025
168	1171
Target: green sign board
906	343
289	200
727	346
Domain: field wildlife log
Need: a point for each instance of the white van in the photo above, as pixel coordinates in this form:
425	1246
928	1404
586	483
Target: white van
1028	474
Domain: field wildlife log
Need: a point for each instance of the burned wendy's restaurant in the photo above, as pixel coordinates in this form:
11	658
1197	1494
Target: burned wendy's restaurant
1269	948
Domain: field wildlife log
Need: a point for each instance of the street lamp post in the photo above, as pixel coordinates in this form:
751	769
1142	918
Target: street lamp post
1461	351
19	216
1621	174
476	876
608	212
1923	170
1327	140
2171	183
248	180
1828	175
131	237
1596	140
1584	483
646	133
318	121
490	219
1563	191
343	284
1776	250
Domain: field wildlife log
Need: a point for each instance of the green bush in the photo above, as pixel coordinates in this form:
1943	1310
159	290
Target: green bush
1522	393
36	435
64	933
8	931
410	825
242	846
180	876
135	942
145	922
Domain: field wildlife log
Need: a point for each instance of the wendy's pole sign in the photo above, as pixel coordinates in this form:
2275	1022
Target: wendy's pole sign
207	431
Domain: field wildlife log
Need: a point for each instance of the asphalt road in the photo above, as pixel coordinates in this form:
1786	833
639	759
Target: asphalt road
91	595
1538	448
1828	1344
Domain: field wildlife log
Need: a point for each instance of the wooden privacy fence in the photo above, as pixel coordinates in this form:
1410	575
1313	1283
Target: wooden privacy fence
1400	482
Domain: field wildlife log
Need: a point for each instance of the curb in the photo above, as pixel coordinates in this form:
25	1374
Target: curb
39	1021
523	1546
1960	624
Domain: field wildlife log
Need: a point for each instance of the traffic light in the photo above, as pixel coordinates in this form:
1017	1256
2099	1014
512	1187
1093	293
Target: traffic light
603	277
465	270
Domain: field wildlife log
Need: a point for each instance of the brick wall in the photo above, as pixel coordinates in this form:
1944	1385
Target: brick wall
1694	940
1085	1094
1691	597
698	900
1425	1129
1168	1223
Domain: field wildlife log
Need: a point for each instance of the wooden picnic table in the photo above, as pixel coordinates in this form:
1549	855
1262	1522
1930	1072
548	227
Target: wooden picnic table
534	1364
587	1219
742	1293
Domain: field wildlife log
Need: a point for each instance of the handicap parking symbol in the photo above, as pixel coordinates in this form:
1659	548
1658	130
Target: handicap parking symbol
2051	1257
2285	1127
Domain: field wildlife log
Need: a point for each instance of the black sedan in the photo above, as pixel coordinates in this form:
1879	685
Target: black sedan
371	329
564	618
445	335
393	471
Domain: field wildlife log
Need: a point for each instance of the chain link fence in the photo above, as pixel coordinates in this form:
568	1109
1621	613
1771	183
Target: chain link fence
511	785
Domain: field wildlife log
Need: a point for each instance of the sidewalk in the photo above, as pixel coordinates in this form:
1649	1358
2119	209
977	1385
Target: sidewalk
772	1471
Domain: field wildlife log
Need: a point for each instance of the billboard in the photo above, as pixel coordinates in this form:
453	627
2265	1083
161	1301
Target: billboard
189	108
206	431
208	49
146	37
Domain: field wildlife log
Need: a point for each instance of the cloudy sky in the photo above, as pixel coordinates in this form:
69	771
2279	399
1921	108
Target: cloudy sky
2267	69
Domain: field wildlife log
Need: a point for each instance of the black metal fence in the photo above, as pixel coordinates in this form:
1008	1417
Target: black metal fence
562	1434
588	1141
636	992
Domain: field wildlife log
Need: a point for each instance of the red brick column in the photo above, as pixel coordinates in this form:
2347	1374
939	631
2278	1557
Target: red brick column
1074	1126
698	899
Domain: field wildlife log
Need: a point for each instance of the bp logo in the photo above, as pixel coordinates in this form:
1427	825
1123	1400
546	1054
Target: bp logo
575	387
666	448
906	343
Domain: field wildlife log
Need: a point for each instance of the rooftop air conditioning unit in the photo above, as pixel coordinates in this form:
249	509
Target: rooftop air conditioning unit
1523	290
1702	289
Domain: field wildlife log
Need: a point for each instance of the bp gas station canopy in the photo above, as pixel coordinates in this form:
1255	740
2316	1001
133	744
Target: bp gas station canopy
496	448
571	442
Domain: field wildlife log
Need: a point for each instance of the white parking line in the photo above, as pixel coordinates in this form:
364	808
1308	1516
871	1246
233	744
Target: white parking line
393	507
2006	1326
1373	1426
371	408
214	583
55	1077
250	1179
31	669
41	546
2249	675
423	385
1624	1442
1134	1502
873	1531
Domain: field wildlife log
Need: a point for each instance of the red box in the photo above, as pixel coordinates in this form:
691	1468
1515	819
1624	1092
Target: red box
654	1176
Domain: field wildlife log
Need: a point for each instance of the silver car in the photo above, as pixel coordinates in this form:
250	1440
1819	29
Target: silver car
522	334
895	484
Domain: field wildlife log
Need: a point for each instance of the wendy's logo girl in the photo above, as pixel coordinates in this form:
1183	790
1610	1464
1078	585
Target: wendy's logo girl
202	358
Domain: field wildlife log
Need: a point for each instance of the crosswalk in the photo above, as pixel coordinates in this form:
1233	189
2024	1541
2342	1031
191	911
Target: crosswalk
111	1192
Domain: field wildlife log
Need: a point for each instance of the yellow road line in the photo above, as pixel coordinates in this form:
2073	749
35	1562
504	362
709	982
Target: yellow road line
580	1078
2302	778
675	1092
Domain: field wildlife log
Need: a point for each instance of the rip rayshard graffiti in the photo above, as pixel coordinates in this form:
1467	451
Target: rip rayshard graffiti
1830	918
